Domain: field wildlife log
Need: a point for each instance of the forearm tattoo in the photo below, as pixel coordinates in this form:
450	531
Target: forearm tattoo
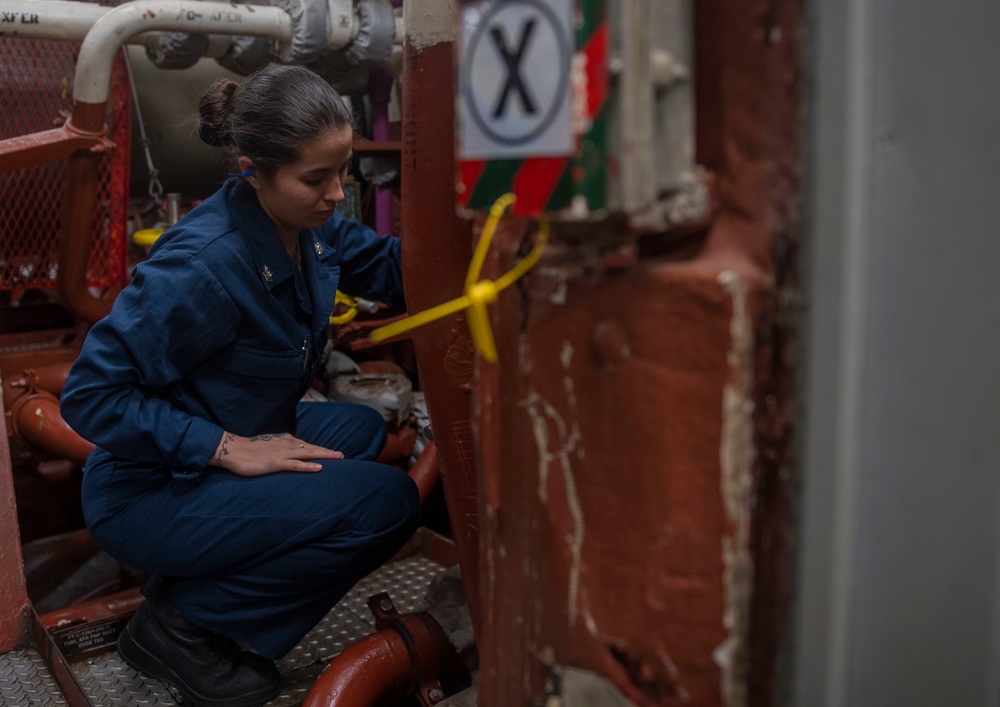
224	448
265	438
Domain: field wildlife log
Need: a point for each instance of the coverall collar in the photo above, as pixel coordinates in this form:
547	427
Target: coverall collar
273	264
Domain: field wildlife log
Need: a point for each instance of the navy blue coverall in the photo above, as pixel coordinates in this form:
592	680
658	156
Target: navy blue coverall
218	330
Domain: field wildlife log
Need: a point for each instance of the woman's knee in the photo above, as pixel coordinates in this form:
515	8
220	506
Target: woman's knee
396	506
372	427
358	431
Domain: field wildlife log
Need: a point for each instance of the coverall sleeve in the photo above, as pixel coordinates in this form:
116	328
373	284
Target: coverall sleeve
370	263
172	317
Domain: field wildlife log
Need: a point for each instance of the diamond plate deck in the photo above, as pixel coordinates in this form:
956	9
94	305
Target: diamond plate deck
109	682
25	681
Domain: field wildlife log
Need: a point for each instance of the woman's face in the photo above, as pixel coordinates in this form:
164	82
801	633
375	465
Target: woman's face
304	193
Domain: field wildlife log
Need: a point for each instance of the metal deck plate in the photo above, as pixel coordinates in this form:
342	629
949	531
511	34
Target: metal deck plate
108	681
25	681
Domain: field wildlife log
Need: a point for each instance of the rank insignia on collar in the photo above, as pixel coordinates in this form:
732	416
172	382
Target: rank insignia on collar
268	275
318	248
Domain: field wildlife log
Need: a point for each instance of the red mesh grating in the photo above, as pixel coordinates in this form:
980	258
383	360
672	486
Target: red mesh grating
35	85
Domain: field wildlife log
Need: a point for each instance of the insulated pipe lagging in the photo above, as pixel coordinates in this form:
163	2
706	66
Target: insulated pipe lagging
112	30
72	21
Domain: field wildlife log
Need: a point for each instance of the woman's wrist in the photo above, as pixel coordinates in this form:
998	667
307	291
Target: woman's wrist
222	451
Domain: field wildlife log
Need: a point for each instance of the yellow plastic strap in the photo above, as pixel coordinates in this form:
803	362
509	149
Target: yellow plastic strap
478	293
352	309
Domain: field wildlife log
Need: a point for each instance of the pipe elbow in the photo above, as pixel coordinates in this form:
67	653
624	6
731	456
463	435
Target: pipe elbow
409	654
366	672
36	418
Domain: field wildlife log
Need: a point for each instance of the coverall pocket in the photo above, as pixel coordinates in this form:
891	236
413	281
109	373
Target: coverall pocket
261	363
263	388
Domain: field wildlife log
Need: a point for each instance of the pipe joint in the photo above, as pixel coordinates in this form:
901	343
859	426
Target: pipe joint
35	418
409	654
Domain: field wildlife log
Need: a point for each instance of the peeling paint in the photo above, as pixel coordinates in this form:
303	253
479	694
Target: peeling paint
566	357
541	412
558	297
736	454
682	694
430	22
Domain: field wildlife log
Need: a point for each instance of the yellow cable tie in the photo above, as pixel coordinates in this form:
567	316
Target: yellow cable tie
478	293
352	309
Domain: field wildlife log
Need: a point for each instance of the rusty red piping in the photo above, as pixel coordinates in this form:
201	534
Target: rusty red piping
371	669
398	446
36	419
426	470
407	655
82	180
48	377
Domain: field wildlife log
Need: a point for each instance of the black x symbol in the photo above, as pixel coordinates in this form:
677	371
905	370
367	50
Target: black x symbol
513	62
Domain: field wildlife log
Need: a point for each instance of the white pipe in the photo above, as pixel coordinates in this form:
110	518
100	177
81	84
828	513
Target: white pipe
111	31
50	19
56	19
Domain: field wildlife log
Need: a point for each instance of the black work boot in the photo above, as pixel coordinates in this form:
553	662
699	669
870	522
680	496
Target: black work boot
207	669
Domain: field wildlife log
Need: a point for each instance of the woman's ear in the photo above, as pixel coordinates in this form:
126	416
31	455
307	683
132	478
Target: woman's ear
248	171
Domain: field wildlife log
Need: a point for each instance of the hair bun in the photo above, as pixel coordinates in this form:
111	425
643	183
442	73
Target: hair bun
215	109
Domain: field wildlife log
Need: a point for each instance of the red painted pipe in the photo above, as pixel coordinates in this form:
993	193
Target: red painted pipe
36	419
372	669
82	181
398	447
426	470
380	666
49	377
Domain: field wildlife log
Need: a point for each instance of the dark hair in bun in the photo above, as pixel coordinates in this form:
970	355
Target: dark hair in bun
215	108
272	115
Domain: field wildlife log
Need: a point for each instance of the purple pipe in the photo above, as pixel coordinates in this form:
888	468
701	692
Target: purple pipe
379	89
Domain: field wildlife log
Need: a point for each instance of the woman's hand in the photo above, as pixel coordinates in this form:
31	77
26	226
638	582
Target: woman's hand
268	453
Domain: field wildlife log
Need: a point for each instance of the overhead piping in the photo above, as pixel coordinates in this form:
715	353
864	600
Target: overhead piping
111	31
90	95
56	19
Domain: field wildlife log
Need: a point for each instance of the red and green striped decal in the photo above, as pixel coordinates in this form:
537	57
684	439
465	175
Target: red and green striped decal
551	184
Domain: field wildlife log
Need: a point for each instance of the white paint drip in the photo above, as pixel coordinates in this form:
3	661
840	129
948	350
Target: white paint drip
674	674
736	455
559	274
541	413
566	358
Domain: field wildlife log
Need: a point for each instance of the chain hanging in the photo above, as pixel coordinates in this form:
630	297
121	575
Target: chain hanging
155	188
